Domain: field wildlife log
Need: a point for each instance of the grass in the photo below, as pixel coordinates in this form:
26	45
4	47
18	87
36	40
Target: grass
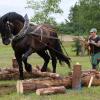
6	55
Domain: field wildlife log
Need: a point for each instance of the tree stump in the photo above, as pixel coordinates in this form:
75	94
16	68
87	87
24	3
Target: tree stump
76	77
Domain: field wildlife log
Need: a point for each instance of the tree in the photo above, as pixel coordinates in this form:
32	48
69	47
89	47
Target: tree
85	15
43	9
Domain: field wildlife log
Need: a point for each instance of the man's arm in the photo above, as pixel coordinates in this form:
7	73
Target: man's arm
96	44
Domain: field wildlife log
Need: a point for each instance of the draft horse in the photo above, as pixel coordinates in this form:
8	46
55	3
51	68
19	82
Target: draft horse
31	39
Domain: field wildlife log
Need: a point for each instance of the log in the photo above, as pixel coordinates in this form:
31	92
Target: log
34	84
86	72
51	90
13	73
86	81
76	77
9	73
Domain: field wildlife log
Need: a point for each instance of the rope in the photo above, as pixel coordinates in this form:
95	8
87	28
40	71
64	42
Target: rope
64	49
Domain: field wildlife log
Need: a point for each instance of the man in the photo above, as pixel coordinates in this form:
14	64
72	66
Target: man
94	44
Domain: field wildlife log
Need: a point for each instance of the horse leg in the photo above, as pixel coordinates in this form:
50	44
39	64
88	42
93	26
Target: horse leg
46	58
19	60
28	66
54	60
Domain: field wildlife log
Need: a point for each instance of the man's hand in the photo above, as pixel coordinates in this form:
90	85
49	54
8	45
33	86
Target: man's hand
92	42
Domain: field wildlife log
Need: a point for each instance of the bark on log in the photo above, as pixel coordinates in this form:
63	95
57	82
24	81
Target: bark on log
34	84
86	72
13	73
86	80
51	90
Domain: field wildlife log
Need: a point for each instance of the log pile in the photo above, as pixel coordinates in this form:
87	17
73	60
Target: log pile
48	82
31	85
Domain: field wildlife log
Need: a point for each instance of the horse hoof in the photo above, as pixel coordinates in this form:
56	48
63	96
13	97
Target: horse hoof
43	70
21	78
28	68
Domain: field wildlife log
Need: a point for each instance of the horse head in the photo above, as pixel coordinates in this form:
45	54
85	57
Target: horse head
5	32
10	24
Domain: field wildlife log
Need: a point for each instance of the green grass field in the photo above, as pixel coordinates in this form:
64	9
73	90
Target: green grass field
6	55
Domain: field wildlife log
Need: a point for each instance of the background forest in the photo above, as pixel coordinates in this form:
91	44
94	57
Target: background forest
83	15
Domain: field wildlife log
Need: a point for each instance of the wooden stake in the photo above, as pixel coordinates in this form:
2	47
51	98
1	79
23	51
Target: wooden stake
14	63
91	80
76	77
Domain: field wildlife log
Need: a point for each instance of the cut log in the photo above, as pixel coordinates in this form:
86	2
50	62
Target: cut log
51	90
86	80
13	73
86	72
34	84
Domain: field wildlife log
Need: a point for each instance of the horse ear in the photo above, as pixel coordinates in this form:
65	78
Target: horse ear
26	18
26	25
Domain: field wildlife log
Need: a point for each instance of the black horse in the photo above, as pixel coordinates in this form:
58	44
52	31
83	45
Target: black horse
31	39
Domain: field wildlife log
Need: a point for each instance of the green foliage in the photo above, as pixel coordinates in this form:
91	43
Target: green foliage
44	9
85	15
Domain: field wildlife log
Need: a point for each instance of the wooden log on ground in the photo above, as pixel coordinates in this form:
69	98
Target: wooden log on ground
13	73
44	74
34	84
86	72
86	81
51	90
76	77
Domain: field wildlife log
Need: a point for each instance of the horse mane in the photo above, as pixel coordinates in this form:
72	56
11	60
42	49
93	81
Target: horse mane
11	16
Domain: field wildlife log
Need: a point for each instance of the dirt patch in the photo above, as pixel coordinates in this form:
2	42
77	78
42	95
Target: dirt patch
7	89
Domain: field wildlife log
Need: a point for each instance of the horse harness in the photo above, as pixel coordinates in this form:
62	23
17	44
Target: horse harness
19	36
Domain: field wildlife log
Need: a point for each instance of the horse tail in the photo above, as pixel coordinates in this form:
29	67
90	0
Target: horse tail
60	54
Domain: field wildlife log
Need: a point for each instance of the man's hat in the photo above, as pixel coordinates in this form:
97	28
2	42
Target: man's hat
93	30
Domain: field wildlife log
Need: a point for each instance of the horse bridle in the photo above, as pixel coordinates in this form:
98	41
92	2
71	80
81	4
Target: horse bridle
9	24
